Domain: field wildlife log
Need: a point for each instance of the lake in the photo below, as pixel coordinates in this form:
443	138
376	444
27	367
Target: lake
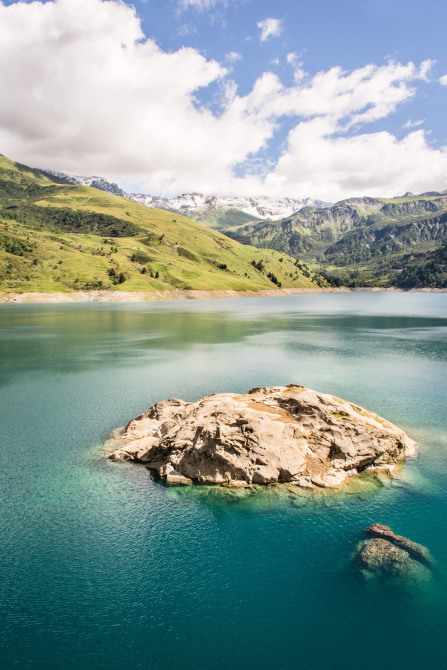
104	567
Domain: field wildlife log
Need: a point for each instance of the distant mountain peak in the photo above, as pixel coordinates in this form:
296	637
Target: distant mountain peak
261	207
94	181
194	204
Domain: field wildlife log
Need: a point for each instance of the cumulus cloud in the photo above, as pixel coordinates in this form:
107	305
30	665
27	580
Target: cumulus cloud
375	164
343	100
270	28
322	159
348	98
443	80
84	91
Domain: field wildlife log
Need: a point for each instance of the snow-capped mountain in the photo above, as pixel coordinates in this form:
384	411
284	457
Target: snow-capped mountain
196	204
262	207
96	182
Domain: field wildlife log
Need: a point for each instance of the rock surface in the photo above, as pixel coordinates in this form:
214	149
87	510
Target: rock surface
416	551
392	554
282	434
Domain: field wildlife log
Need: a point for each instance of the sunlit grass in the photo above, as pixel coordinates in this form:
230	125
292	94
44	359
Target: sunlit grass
168	251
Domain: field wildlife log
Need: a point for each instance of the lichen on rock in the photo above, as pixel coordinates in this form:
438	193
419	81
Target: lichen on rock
279	434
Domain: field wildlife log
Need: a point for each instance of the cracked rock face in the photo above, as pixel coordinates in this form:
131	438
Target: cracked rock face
280	434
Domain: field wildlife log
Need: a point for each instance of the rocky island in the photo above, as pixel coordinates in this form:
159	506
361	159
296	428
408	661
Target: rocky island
279	434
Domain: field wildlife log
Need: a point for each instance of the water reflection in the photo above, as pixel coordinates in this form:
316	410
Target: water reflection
69	338
107	568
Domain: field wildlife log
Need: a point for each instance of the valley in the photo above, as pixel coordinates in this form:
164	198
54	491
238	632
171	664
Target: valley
60	237
362	241
71	233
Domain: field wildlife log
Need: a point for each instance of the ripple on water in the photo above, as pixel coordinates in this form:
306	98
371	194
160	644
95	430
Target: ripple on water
104	567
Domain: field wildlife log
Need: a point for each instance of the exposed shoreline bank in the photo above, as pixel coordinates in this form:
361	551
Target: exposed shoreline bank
182	294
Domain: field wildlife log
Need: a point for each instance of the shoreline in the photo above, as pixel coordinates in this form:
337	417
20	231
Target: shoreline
183	294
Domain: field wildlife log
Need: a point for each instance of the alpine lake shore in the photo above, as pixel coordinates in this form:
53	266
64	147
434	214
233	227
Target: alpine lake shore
186	294
81	272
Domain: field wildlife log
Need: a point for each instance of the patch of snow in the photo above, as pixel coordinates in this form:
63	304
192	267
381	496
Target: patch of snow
262	207
191	204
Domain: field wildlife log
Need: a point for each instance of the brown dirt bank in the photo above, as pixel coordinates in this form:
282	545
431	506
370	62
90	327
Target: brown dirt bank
174	294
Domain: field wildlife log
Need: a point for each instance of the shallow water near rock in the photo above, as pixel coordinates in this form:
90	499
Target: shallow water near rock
104	567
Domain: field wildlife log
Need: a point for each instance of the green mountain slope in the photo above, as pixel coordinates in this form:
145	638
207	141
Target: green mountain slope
422	270
58	237
219	218
310	231
360	238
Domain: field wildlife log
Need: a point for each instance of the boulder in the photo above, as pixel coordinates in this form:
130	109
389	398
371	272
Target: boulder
279	434
388	553
381	556
414	550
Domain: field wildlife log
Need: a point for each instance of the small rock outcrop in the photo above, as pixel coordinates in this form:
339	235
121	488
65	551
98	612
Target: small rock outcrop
280	434
388	553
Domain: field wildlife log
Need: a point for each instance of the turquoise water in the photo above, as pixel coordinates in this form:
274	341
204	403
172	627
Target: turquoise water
103	567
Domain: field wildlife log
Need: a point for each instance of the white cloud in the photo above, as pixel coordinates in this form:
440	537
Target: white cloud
318	163
293	60
413	124
270	28
87	92
200	4
362	96
84	91
233	57
443	80
323	160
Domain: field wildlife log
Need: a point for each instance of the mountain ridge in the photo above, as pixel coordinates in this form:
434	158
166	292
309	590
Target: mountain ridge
60	237
358	239
197	205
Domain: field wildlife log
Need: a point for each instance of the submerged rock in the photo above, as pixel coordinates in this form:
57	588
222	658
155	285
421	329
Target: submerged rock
413	549
280	434
392	554
382	556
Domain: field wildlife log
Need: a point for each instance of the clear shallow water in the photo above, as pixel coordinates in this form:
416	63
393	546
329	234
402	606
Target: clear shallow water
101	567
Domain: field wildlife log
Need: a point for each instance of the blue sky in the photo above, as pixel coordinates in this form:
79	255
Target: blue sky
324	33
323	99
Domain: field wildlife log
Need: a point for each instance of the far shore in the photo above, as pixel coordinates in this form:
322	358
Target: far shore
180	294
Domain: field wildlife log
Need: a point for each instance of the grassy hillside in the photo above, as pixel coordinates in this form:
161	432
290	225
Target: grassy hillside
359	241
57	237
220	219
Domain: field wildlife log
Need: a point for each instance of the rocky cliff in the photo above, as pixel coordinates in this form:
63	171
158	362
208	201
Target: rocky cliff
285	434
